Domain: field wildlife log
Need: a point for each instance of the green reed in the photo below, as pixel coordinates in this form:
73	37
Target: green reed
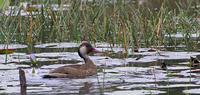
116	22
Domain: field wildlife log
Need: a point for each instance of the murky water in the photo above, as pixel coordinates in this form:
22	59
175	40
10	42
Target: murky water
138	74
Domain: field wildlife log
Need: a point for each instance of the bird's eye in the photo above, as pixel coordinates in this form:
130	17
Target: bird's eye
89	46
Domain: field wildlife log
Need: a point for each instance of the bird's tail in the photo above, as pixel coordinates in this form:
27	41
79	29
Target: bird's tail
55	75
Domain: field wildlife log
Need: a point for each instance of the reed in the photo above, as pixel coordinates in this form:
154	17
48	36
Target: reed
117	22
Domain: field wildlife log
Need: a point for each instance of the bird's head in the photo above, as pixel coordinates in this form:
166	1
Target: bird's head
85	48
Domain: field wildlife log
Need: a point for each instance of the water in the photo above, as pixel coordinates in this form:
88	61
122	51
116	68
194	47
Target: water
127	76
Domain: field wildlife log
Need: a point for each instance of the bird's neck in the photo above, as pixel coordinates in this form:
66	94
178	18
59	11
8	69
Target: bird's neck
89	62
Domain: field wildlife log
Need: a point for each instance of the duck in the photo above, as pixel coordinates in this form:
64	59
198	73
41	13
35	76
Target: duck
194	62
163	65
79	70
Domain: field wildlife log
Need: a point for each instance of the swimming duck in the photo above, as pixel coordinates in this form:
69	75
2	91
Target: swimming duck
194	62
163	65
77	71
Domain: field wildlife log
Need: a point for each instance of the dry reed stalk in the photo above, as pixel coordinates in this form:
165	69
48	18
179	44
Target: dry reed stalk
123	30
29	37
19	24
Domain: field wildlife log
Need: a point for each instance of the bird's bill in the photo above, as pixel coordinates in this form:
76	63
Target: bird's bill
95	50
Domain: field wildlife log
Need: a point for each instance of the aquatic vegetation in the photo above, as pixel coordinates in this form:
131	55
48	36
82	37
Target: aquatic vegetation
122	22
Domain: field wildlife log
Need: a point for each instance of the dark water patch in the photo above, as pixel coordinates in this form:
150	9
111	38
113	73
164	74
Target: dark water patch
56	49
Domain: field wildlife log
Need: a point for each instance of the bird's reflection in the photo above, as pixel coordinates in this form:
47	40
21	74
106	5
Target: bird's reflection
86	88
